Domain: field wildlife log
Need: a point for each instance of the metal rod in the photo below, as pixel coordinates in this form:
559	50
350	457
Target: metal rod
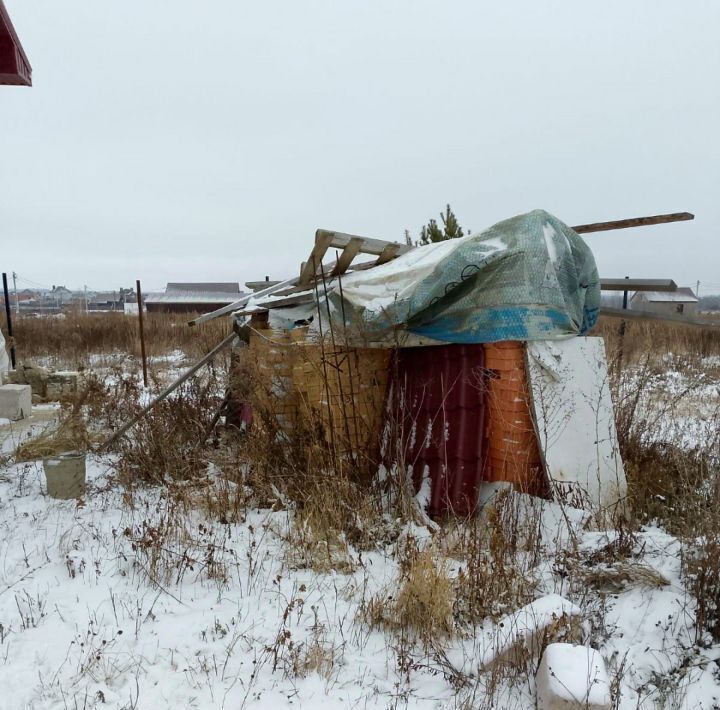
8	315
142	332
341	394
622	327
633	222
170	389
325	371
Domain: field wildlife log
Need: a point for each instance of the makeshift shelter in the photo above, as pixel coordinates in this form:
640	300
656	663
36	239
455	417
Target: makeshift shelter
457	364
420	360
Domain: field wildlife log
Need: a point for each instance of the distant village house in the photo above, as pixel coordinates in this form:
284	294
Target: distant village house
192	297
682	302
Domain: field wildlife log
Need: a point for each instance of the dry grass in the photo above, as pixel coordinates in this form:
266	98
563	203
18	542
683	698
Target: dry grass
498	556
672	482
658	338
69	434
72	340
421	604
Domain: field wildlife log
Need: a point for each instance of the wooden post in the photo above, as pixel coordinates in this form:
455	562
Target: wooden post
8	315
142	332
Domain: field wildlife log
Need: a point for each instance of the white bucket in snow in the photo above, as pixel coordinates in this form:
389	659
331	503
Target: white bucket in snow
65	475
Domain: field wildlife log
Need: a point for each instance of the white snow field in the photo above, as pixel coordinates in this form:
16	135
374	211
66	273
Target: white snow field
85	622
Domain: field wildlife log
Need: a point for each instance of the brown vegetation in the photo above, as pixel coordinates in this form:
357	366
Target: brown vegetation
70	340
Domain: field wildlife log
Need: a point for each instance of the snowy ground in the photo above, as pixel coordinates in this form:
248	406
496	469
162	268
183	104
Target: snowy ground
85	621
124	602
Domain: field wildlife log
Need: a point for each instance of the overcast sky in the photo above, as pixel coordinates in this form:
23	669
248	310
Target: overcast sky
171	140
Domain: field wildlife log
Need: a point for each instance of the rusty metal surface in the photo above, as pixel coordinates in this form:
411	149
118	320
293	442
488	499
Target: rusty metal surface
438	414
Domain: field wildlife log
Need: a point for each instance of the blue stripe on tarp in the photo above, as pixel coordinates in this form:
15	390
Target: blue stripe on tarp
489	325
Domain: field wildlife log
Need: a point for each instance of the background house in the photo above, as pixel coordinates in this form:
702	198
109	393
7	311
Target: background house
192	297
681	302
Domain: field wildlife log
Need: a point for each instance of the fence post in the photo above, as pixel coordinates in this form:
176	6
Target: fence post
8	315
142	332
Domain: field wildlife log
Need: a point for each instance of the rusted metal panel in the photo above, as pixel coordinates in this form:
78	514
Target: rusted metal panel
15	68
438	411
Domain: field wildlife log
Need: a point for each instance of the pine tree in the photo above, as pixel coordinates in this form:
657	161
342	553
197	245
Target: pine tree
451	228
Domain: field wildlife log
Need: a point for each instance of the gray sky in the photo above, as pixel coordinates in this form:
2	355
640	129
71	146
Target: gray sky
171	140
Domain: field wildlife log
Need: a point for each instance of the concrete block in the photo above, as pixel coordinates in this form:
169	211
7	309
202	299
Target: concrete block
572	677
15	401
61	385
29	374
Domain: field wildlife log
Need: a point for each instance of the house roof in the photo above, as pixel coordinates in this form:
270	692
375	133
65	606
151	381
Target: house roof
684	294
199	297
15	67
207	287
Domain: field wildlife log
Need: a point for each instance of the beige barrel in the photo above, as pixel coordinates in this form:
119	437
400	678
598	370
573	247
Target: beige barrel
65	475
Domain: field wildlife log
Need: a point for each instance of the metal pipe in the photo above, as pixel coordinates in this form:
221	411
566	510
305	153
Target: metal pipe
170	389
8	315
142	332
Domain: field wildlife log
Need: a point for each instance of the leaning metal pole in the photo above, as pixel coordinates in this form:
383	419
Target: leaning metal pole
8	315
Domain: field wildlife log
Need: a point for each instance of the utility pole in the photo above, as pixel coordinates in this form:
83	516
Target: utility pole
85	294
17	302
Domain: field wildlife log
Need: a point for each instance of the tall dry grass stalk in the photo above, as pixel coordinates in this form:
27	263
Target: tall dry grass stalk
74	338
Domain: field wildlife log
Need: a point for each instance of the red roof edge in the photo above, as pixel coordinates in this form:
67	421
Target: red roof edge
15	67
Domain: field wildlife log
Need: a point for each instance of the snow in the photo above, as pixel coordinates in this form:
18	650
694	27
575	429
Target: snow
525	625
82	617
572	676
221	616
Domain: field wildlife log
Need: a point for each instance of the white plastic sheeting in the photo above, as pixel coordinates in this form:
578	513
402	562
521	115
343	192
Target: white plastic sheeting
573	412
530	277
4	359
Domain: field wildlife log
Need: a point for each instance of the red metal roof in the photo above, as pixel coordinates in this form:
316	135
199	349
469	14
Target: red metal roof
15	68
440	419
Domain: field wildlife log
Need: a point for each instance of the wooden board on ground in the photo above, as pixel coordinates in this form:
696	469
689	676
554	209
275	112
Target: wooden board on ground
573	413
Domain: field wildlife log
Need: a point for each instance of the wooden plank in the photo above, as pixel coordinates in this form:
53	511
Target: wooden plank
388	254
322	243
350	251
638	285
632	314
370	246
633	222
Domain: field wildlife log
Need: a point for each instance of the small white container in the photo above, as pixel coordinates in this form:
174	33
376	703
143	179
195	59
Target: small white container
65	475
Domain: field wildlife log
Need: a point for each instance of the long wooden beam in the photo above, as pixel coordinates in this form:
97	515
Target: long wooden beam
633	222
638	285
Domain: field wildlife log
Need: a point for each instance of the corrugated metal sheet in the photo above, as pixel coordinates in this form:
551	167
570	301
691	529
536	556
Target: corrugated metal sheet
15	68
438	411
